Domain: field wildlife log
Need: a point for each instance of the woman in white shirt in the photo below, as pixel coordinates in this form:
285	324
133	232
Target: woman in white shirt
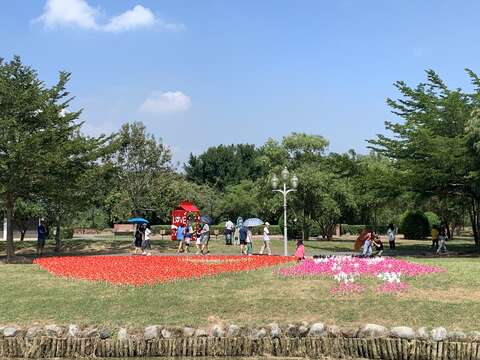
146	241
266	240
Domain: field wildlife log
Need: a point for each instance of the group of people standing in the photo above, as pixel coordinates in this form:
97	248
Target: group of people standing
185	236
141	240
243	236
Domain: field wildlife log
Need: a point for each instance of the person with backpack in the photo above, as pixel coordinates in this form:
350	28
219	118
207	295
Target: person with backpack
229	226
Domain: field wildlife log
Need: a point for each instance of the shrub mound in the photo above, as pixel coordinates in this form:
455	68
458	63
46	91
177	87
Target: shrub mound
414	225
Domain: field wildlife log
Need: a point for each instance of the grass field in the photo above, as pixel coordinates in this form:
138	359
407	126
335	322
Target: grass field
451	299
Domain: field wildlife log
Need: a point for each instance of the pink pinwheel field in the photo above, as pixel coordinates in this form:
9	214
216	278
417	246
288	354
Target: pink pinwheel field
347	272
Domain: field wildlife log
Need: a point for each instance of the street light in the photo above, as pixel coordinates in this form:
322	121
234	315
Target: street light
285	174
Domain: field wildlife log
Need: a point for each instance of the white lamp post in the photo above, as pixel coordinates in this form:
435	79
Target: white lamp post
294	182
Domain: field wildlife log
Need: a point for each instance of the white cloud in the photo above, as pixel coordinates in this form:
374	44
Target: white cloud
80	13
69	12
166	103
131	19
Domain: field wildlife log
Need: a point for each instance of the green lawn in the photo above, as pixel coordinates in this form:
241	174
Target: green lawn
451	299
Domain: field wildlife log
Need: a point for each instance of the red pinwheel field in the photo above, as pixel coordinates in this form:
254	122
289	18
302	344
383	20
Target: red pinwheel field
149	270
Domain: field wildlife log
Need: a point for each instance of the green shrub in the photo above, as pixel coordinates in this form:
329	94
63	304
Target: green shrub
433	219
414	225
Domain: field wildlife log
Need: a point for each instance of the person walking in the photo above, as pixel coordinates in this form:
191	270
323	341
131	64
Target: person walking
391	233
41	237
266	240
180	238
188	236
238	226
138	239
435	233
146	245
229	226
442	240
205	234
249	242
243	234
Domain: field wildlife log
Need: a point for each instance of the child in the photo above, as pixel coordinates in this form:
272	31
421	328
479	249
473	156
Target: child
377	244
249	242
180	237
300	252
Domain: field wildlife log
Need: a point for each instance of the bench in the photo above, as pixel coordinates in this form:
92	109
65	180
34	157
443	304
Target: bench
123	229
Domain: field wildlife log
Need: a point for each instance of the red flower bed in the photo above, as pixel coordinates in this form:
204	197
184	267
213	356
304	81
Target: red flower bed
139	270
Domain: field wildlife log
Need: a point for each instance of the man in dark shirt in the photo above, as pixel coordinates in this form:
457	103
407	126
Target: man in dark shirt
42	235
243	239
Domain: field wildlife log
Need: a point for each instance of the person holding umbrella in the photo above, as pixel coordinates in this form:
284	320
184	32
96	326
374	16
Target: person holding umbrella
138	239
139	235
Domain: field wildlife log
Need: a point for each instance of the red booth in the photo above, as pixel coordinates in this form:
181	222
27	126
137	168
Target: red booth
184	211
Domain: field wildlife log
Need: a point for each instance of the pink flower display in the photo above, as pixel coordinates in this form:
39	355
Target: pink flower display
347	269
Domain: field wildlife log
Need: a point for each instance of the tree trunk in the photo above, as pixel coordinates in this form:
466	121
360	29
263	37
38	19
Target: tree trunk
58	240
22	234
9	207
474	219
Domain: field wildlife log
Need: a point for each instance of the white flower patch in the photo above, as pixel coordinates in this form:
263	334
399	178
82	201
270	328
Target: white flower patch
390	277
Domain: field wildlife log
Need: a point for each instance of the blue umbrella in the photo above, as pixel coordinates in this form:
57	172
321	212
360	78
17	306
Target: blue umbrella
252	222
138	220
206	219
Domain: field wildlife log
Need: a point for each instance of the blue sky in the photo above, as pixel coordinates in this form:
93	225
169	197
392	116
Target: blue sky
202	73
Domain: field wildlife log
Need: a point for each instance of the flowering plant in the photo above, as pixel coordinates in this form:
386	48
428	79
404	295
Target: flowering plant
347	269
139	270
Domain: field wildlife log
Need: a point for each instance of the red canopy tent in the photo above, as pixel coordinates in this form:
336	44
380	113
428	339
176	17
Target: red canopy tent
184	211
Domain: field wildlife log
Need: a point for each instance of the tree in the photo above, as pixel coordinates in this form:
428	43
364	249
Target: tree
435	148
240	200
139	159
39	140
223	165
25	212
171	188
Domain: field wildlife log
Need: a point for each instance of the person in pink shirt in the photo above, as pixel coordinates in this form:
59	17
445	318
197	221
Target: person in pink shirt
300	252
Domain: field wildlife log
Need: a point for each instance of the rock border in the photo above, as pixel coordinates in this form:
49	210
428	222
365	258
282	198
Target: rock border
370	341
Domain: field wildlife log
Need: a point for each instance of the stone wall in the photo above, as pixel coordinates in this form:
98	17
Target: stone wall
370	341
